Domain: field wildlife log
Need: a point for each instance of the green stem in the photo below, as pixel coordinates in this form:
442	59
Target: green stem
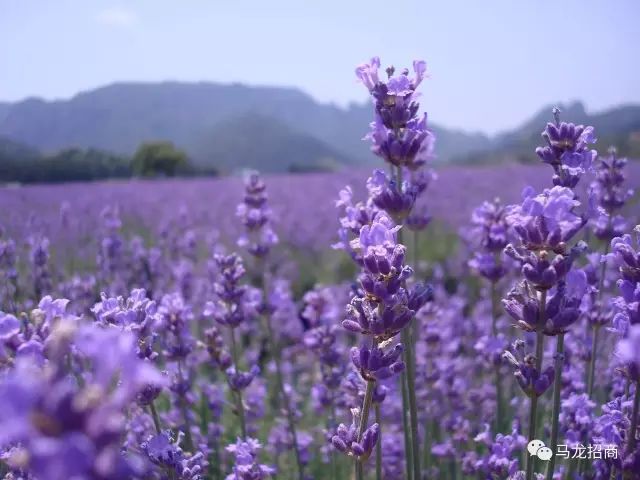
364	419
627	387
332	426
532	433
406	427
379	444
185	413
557	389
533	413
500	414
413	410
571	471
592	362
409	378
283	394
154	415
238	394
596	327
633	427
427	445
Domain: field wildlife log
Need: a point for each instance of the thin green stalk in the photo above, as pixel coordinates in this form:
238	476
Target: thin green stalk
332	426
533	413
592	362
409	377
238	394
154	416
379	444
427	445
413	408
500	414
557	389
185	413
214	456
596	327
571	471
627	387
633	427
283	394
364	419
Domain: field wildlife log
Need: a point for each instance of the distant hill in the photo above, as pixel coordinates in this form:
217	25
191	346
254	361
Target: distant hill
619	126
229	126
260	142
119	117
11	149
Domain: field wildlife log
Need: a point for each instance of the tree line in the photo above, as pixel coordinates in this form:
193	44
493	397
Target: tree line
151	159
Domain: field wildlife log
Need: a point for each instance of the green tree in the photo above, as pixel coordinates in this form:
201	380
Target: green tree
159	158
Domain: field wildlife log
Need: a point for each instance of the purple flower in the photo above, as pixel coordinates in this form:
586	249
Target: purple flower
567	150
626	256
346	439
628	352
562	308
577	418
166	453
398	134
234	304
376	363
396	200
610	194
545	220
531	381
246	465
66	429
411	147
256	215
241	380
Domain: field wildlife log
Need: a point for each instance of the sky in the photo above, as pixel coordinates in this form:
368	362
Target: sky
492	63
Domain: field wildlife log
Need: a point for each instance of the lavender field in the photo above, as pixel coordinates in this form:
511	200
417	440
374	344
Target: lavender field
464	322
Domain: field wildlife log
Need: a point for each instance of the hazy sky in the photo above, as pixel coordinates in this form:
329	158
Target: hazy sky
492	62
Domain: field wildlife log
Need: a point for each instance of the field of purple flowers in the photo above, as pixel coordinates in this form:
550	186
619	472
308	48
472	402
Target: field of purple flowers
405	323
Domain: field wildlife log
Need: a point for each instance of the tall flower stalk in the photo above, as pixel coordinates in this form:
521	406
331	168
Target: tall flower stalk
258	239
401	138
232	308
626	256
489	236
381	310
611	195
547	301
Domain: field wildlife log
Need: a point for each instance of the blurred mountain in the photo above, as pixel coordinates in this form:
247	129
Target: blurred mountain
119	117
4	110
228	126
619	126
10	149
260	142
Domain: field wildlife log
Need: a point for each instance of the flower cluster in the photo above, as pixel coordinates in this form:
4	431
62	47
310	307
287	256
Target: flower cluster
561	309
65	419
611	195
399	136
348	440
627	259
255	216
567	150
490	234
246	461
531	380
